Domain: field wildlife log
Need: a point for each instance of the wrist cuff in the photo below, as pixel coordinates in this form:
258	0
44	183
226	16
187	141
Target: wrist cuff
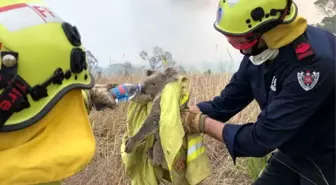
202	123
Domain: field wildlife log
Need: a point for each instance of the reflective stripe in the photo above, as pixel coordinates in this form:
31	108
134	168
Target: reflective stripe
192	140
87	100
195	148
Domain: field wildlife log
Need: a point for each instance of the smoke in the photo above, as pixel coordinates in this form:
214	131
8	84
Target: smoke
183	27
194	5
120	29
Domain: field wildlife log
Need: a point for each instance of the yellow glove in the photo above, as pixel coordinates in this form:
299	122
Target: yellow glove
193	119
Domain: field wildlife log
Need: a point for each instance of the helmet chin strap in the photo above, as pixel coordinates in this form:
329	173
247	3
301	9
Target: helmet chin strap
268	54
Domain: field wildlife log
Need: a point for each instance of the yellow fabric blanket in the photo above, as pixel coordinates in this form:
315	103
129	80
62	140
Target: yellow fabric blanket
185	154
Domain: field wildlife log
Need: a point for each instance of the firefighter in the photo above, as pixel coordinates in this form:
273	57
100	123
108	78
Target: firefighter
289	69
45	132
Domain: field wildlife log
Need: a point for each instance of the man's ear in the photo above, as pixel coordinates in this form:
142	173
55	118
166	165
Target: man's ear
149	72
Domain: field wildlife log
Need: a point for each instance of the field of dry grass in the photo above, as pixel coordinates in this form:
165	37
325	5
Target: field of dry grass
109	127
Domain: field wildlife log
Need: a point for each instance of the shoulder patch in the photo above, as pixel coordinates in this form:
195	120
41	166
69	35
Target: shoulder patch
302	48
307	79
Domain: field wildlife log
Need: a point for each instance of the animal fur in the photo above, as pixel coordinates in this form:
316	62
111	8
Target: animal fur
151	91
100	97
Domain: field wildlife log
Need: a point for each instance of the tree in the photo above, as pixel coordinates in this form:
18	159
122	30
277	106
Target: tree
99	74
207	72
93	67
181	69
328	22
127	67
92	60
160	58
327	6
221	66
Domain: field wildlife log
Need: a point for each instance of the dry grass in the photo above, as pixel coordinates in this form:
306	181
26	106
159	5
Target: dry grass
109	127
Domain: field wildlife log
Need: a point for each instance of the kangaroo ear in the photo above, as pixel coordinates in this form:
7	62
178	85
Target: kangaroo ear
149	72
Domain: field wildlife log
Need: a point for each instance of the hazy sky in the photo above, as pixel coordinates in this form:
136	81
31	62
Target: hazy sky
120	29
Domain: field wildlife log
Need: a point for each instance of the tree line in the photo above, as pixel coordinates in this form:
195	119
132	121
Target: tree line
328	7
160	58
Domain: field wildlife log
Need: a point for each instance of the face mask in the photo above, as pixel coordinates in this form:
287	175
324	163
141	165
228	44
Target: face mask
247	45
254	50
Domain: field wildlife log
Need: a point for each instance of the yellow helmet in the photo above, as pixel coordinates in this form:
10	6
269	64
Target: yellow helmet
42	59
241	17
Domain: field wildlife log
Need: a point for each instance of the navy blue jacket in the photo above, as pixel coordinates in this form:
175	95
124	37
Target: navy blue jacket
296	96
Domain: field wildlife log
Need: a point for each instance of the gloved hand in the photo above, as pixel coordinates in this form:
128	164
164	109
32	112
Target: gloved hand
101	99
193	119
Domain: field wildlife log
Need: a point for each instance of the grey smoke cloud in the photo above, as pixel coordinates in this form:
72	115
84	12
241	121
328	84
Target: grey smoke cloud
120	29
